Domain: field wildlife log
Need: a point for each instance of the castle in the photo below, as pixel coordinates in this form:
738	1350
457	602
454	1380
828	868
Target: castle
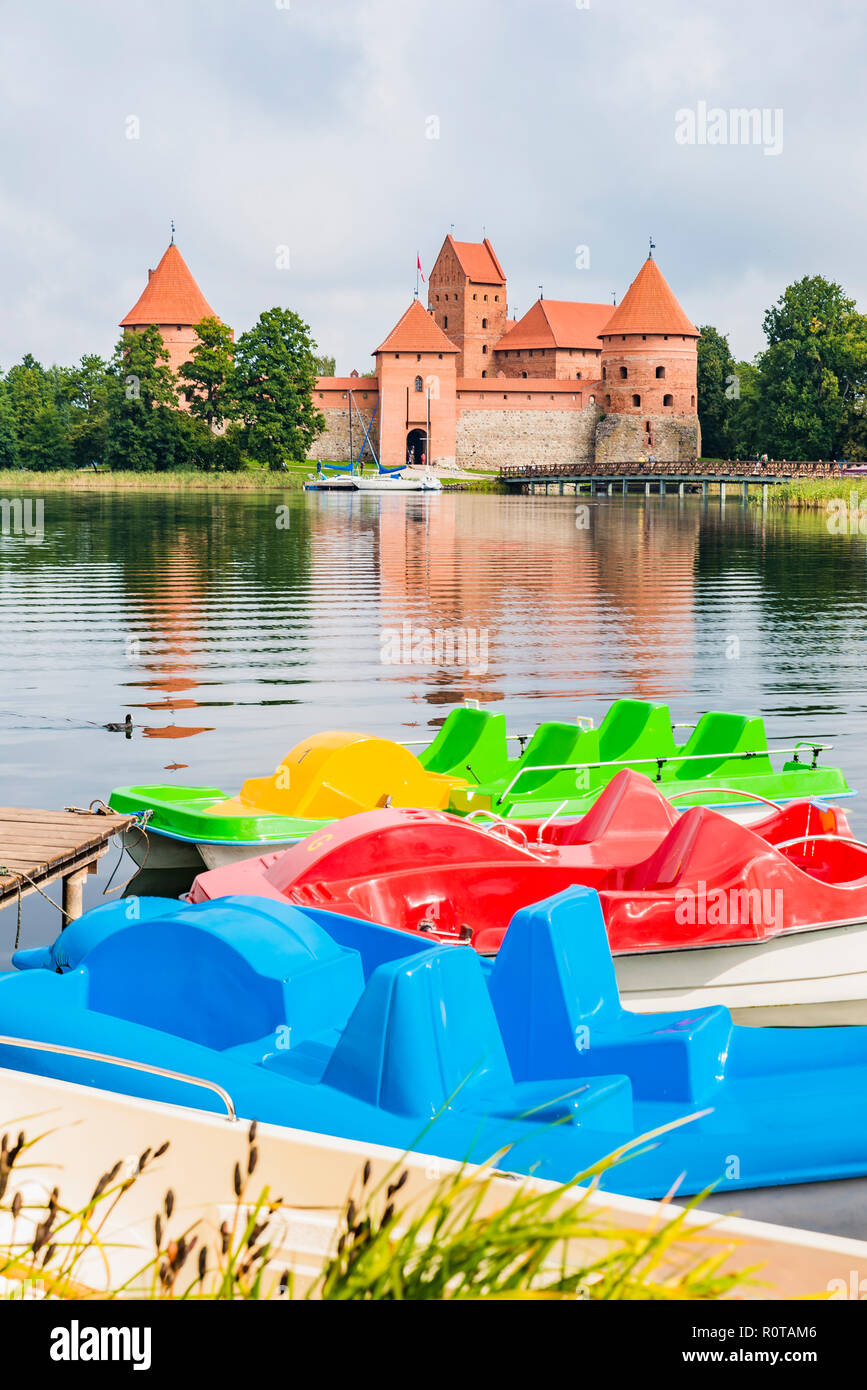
568	383
461	384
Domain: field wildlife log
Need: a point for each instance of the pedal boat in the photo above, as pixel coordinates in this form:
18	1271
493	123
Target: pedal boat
327	1024
562	771
769	920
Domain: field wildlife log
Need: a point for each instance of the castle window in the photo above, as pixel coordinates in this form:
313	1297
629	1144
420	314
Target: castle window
484	348
692	400
496	299
624	373
446	319
364	395
531	352
441	357
486	299
483	374
418	357
660	373
542	353
644	337
647	426
475	296
419	384
607	400
636	400
578	376
484	323
665	336
668	400
592	400
524	374
397	357
604	373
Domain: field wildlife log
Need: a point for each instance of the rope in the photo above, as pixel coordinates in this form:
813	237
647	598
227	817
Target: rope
140	827
19	874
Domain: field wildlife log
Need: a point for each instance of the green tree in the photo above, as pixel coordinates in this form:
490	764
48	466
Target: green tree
813	370
9	451
718	389
86	389
204	378
325	366
272	388
44	441
141	427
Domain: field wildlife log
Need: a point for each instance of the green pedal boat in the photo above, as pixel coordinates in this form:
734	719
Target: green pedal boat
560	771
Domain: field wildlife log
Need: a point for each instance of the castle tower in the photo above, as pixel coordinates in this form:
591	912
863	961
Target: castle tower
415	366
467	296
648	395
173	301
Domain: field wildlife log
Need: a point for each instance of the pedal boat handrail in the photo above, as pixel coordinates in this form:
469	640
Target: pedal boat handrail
33	1044
661	762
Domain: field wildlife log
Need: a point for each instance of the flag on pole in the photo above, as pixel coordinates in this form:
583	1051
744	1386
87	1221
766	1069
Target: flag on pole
420	271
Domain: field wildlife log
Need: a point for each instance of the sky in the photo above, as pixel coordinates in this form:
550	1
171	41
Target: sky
308	149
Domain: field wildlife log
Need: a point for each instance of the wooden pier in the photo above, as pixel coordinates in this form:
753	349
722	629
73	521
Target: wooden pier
39	847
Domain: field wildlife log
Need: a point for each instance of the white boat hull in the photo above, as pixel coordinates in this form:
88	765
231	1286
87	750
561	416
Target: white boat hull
86	1130
381	484
801	978
166	852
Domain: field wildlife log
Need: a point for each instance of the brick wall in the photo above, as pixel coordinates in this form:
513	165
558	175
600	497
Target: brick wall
496	438
333	443
623	438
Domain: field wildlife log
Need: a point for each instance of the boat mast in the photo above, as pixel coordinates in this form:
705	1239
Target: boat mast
351	453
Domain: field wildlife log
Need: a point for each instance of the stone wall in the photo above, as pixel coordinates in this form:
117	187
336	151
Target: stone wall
624	438
333	443
497	438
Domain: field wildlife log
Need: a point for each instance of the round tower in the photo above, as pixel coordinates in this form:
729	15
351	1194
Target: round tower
648	399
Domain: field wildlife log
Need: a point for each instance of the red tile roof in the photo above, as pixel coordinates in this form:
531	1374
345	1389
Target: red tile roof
558	323
649	306
478	261
170	296
416	331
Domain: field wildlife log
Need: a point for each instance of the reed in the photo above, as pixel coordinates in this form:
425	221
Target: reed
547	1245
814	494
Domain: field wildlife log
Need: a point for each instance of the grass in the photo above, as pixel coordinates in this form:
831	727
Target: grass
814	494
442	1246
85	480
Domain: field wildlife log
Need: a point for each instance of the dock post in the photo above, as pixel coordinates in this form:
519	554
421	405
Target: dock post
704	487
680	489
647	489
764	497
624	487
722	494
745	492
610	489
73	899
592	487
662	487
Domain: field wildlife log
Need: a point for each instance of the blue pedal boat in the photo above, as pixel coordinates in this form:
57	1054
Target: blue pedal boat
329	1024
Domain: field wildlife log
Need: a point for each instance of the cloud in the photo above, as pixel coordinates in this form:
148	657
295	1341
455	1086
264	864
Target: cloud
262	125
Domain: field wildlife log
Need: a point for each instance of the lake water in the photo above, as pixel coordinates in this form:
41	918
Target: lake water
232	625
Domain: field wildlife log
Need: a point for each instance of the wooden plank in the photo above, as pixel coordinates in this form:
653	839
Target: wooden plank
15	815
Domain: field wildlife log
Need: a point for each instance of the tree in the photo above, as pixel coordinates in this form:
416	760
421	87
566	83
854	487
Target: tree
813	370
205	376
141	428
718	391
86	389
272	388
326	366
9	450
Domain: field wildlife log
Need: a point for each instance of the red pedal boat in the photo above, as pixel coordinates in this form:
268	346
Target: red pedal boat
770	919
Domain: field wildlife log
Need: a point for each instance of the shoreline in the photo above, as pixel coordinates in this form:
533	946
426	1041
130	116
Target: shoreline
292	480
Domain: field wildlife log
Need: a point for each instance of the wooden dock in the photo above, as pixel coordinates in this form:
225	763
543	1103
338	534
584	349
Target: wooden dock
39	847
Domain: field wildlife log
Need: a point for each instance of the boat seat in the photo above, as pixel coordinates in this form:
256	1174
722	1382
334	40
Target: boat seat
718	735
557	951
441	1047
469	736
